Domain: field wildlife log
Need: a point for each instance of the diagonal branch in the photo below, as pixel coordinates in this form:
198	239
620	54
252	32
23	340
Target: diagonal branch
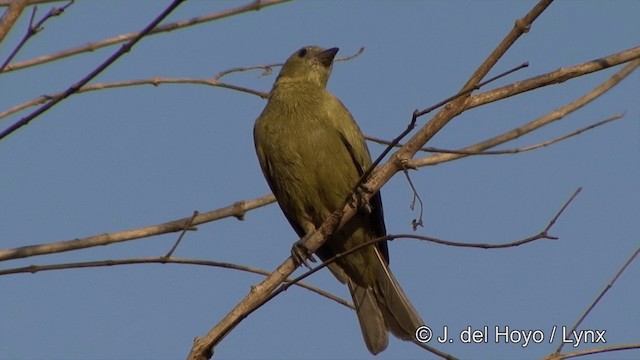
33	29
10	17
554	77
597	350
253	5
554	115
74	88
530	147
600	296
203	347
543	234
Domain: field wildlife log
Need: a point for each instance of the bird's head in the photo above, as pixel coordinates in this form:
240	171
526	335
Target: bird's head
311	64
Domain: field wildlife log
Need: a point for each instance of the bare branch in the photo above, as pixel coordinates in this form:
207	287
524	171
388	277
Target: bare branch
30	2
187	226
236	210
515	150
11	16
600	296
165	260
593	351
253	5
417	114
531	147
554	115
152	81
268	69
74	88
544	234
412	124
554	77
157	81
415	222
33	29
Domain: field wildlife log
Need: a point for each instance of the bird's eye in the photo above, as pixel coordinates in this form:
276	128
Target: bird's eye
302	52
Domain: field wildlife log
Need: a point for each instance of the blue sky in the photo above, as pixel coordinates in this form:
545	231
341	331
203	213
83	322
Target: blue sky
124	158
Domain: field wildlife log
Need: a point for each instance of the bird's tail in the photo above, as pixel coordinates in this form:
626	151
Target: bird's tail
384	307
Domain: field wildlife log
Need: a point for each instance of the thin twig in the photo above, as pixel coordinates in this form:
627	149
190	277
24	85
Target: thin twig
33	29
268	68
541	235
554	77
164	260
157	81
600	296
74	88
468	91
544	234
9	18
415	222
535	124
30	2
251	6
598	350
237	210
510	151
412	124
187	226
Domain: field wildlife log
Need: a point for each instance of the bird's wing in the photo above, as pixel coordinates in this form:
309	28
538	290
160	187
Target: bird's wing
354	142
265	161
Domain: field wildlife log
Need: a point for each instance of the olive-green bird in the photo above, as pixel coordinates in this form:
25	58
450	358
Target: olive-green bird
312	154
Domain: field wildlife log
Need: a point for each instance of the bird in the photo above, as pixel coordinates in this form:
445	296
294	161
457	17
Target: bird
312	154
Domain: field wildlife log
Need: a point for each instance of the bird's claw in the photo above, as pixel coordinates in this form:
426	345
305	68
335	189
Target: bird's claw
359	198
300	254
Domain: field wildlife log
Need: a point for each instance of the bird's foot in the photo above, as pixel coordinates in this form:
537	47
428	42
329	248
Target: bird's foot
359	198
300	253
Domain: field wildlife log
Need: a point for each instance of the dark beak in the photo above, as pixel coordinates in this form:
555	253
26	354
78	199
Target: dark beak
326	57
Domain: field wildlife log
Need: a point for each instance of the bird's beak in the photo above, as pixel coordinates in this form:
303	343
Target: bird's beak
326	57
